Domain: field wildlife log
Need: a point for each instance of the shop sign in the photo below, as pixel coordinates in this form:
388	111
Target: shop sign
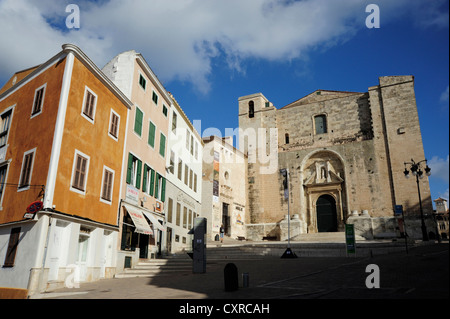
132	194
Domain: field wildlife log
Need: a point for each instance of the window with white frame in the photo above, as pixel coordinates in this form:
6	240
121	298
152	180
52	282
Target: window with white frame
196	150
134	171
3	172
155	98
142	81
107	184
148	182
114	122
5	123
80	171
27	169
38	101
89	105
172	162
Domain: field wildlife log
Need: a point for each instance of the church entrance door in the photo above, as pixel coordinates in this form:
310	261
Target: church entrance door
326	214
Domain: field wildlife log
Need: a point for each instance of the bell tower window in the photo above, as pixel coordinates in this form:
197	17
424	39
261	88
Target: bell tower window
251	109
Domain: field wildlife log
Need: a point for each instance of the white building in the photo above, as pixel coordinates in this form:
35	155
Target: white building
183	176
224	188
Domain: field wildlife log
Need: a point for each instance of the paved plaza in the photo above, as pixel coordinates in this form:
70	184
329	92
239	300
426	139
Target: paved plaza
422	273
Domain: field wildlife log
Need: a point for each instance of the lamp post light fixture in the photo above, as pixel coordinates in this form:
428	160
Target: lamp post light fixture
416	170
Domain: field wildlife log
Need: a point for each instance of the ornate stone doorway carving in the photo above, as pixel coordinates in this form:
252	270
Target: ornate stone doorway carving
323	192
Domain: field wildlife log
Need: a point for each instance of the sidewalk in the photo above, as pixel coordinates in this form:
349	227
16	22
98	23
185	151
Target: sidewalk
423	273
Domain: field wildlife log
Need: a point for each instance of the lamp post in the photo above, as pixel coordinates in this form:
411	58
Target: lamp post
416	170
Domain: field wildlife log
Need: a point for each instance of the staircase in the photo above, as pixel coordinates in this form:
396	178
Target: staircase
158	267
307	245
334	237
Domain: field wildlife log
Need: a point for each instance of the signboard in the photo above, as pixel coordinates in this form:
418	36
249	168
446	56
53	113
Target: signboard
33	208
398	210
350	238
132	194
215	188
216	174
284	173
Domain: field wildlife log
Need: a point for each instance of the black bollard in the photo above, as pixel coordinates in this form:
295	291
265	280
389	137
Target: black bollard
230	273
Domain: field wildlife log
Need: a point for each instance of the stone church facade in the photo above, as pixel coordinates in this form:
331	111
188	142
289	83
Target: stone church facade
345	153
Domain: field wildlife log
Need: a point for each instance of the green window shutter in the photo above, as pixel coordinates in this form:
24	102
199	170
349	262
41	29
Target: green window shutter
156	186
144	179
138	174
151	135
129	168
163	190
152	181
138	121
162	145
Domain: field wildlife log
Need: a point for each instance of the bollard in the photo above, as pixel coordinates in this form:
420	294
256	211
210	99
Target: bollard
245	279
231	277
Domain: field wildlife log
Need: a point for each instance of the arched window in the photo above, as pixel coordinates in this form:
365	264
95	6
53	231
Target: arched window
286	138
320	123
251	109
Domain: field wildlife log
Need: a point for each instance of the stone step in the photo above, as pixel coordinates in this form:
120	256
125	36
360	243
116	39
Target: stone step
324	237
153	267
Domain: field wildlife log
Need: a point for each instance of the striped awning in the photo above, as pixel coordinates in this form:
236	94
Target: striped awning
141	224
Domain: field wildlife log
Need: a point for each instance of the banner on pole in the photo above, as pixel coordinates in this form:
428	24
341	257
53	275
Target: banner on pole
350	238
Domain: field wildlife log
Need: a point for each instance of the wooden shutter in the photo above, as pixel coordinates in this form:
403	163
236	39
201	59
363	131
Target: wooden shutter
151	134
38	101
26	170
89	105
107	185
129	168
138	174
163	189
138	121
157	186
113	130
12	247
162	145
80	173
144	179
152	182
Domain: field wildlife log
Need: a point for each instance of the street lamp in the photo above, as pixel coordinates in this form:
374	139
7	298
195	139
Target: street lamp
416	170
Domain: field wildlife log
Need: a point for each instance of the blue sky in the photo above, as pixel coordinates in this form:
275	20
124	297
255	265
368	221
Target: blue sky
208	53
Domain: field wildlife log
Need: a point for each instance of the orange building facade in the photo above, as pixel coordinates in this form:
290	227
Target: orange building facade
62	139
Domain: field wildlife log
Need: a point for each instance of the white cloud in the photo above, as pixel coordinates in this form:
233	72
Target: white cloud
444	96
445	194
439	168
179	38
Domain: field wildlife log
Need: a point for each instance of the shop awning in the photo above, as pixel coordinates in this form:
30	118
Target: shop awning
155	221
139	220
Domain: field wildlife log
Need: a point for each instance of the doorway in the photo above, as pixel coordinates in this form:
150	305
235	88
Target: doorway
225	218
143	246
82	254
326	214
169	239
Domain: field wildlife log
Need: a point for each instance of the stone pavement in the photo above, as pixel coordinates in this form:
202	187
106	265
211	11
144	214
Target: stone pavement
422	273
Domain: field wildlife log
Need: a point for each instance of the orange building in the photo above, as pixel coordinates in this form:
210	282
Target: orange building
62	137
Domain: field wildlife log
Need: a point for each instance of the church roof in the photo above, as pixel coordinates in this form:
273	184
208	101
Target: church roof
321	95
